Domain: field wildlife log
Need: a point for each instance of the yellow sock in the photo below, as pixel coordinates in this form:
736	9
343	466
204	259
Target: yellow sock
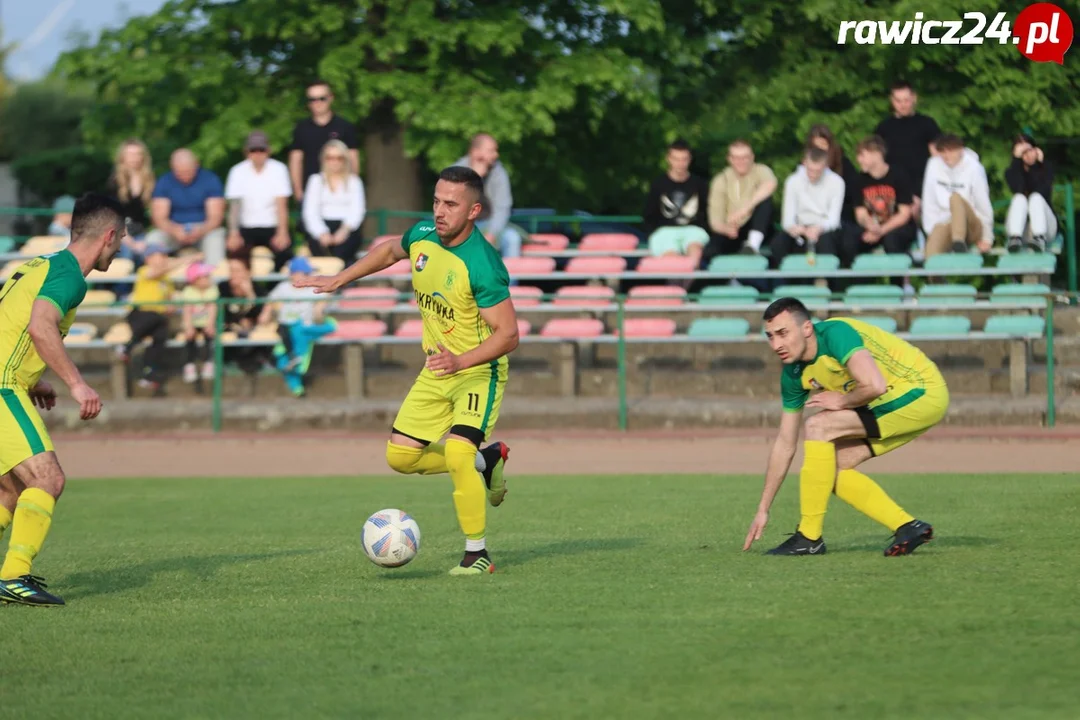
417	461
866	496
5	519
33	515
469	492
815	485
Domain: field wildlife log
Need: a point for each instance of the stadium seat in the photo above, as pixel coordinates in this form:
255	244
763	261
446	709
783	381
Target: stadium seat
952	294
953	262
648	327
398	269
526	295
529	265
118	334
940	325
98	297
1018	292
719	327
887	324
596	265
261	265
545	243
524	327
7	244
728	295
882	262
358	330
738	264
877	294
571	328
80	332
609	242
655	295
327	265
43	245
801	263
808	294
120	268
1016	324
368	298
261	251
411	328
585	295
1035	263
667	264
266	332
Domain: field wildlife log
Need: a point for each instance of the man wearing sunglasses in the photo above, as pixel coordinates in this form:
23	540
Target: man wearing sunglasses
312	133
258	191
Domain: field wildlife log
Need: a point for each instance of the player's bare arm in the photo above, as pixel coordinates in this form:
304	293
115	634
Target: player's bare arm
44	331
504	340
378	259
869	385
783	452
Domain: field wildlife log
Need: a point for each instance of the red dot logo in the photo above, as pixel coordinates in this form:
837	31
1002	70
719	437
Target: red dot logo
1043	32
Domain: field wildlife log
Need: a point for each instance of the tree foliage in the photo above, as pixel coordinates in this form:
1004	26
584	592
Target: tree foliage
41	116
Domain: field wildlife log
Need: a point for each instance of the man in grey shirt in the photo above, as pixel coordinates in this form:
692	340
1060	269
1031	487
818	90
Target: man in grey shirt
498	201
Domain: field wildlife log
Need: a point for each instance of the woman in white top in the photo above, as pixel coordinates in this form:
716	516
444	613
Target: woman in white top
333	208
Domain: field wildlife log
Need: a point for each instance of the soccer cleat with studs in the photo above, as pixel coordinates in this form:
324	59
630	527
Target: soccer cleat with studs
474	563
908	537
28	590
495	457
799	544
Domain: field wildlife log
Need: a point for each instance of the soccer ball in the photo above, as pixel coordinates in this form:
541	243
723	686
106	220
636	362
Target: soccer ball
391	538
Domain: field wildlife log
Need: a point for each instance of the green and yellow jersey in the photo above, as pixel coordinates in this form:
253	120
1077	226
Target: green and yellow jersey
451	285
56	278
907	371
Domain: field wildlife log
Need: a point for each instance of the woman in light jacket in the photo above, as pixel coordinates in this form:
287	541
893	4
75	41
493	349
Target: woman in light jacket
334	206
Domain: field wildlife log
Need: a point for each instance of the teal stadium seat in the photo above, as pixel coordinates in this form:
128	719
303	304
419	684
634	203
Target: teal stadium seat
1016	324
728	295
800	263
953	262
1014	292
1038	263
940	325
808	294
875	294
7	244
738	264
719	327
951	294
882	262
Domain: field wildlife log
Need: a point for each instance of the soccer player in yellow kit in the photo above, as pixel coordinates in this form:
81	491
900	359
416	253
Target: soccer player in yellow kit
877	393
37	308
462	290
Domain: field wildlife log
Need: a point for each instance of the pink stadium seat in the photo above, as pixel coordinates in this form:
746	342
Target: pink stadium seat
584	295
411	328
611	242
525	295
654	295
368	298
648	327
383	239
573	328
545	243
359	329
524	327
601	265
666	264
529	265
401	267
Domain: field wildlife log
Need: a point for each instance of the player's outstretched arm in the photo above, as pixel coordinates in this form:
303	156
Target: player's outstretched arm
44	331
783	451
378	259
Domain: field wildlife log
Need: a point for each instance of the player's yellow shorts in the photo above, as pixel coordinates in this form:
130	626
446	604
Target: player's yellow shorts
22	431
903	414
467	405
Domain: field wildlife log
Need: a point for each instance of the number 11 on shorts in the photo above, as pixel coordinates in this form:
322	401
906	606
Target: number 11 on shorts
474	402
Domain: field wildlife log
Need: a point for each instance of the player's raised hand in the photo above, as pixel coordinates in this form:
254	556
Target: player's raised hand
43	395
323	284
443	362
88	399
756	528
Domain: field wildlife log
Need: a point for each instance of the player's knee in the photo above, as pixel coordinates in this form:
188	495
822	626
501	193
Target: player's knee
402	459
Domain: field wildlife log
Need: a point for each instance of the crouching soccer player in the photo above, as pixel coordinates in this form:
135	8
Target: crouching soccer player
877	393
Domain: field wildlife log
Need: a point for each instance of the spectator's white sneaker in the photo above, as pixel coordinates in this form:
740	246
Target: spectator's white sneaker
208	371
190	375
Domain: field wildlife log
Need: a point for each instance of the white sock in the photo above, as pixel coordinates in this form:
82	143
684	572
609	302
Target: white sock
474	545
754	239
481	463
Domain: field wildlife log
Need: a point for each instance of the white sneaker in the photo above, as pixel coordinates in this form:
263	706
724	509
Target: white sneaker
190	375
208	371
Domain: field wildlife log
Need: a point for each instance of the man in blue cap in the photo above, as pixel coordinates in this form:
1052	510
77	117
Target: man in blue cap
301	323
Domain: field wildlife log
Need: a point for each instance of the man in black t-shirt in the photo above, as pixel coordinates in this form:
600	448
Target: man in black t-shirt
312	133
883	216
909	137
675	210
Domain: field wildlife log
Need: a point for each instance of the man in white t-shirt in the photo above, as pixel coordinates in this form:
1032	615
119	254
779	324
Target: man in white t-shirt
258	190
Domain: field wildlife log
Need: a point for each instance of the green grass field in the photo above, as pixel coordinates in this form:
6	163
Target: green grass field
615	598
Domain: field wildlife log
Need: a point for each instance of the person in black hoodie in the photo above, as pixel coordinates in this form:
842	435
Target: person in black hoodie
1030	221
675	210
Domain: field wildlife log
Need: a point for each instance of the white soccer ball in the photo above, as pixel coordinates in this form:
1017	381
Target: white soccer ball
391	538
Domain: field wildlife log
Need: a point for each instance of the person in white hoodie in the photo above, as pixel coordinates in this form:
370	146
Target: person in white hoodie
810	218
956	209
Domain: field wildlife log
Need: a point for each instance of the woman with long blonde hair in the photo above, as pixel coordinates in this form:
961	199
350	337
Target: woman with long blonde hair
132	183
334	205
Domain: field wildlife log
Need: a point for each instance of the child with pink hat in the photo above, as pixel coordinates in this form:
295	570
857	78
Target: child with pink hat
200	320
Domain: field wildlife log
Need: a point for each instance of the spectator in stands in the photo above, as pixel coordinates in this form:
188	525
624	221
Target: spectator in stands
60	226
199	321
909	137
188	208
820	136
258	192
498	201
241	315
740	204
301	323
311	134
813	200
132	183
956	200
674	217
883	216
334	206
1031	220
